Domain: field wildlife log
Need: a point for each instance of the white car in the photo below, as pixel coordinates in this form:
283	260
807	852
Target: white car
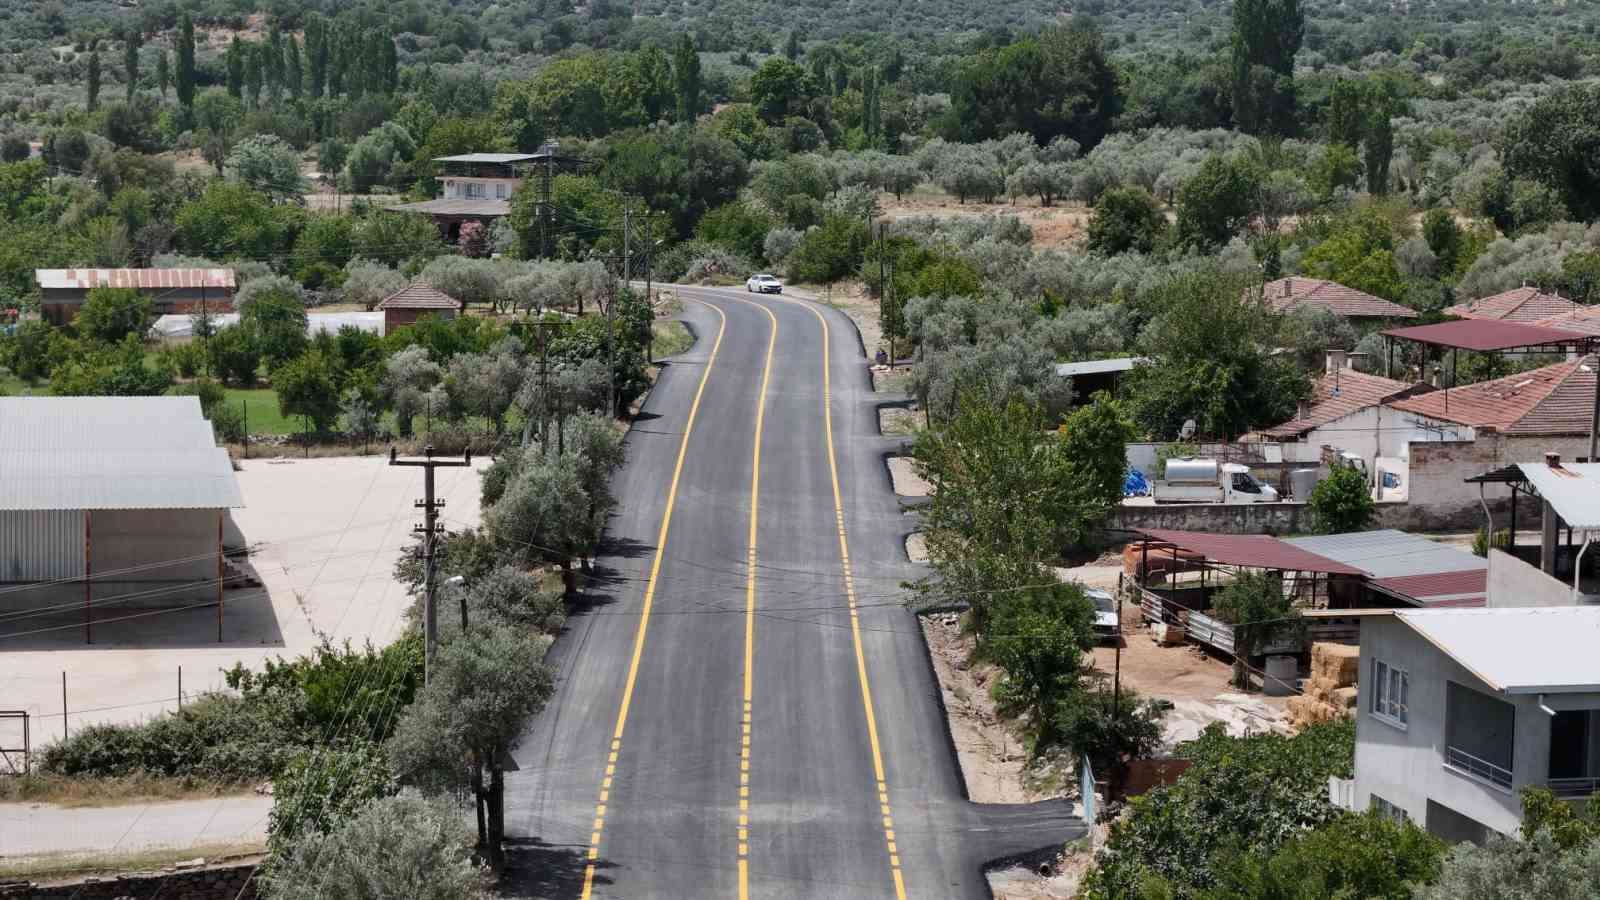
1105	614
763	284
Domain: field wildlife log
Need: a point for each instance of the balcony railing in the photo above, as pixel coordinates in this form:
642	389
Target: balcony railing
1462	761
1573	788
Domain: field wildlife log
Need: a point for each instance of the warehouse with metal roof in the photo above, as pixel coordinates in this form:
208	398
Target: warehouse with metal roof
119	502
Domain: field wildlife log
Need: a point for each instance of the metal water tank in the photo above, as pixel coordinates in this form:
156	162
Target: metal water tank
1190	469
1281	672
1301	481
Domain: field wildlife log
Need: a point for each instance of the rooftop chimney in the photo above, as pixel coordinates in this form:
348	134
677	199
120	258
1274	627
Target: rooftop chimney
1335	360
1552	459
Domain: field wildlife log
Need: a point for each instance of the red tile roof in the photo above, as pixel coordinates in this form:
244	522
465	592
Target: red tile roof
1485	334
1584	319
1336	396
419	295
1256	551
1441	589
1557	399
1294	291
1524	304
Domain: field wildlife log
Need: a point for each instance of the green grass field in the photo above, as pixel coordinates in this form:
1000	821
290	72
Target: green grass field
261	411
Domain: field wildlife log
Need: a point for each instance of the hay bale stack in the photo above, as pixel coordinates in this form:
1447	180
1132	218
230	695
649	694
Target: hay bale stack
1330	693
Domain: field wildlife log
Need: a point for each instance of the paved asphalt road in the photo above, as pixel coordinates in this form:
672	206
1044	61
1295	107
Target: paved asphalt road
711	734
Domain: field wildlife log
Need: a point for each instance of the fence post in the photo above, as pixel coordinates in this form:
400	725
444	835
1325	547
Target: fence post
63	706
180	688
244	408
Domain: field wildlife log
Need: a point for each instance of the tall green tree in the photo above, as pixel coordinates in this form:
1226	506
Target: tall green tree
791	47
131	40
1266	36
1556	142
233	59
1057	84
686	77
1342	502
1209	345
163	74
185	73
293	68
1218	201
254	74
94	76
316	54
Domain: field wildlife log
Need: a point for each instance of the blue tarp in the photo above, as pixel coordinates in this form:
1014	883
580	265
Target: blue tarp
1135	485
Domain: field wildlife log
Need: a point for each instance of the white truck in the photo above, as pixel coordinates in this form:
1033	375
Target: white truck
1191	480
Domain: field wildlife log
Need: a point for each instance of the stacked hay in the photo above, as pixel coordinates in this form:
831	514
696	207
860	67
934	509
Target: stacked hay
1331	690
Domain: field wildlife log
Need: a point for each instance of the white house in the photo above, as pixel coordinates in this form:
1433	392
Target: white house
1460	709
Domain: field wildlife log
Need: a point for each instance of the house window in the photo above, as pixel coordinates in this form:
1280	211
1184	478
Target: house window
1388	810
1390	687
499	191
475	191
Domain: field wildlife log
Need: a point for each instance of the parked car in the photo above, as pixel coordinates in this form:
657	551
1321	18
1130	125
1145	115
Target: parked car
1106	625
763	284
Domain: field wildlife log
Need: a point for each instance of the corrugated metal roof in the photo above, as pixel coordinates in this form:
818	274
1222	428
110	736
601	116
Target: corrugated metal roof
1388	553
486	158
111	453
1524	304
419	295
1572	488
1257	551
1485	334
1555	399
1284	294
1335	396
484	208
169	279
1441	590
1097	366
1518	650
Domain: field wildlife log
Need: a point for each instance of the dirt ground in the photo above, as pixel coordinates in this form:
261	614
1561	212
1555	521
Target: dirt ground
1053	226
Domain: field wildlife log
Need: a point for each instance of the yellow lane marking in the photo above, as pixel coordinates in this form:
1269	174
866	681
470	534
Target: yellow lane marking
850	595
750	608
649	598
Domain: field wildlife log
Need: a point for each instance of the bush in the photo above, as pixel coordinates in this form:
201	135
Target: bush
235	354
1342	502
1125	219
227	422
1366	855
218	737
829	252
210	393
1481	541
111	314
188	358
1240	795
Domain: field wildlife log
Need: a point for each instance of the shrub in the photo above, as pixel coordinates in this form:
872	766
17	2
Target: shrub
111	314
235	354
218	737
1342	502
830	251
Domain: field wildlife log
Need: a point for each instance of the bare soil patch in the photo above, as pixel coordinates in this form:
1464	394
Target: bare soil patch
1060	225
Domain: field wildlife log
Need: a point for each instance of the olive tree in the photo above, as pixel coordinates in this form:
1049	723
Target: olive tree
426	854
483	689
369	282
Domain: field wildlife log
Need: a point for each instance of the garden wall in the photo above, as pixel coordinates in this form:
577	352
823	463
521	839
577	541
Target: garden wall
233	881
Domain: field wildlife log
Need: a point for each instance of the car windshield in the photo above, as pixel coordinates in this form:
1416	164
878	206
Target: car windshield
1103	602
765	278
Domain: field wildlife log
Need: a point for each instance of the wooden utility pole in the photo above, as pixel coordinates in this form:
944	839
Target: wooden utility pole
429	528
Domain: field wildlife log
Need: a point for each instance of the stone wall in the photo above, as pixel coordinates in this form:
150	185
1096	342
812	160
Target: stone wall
226	882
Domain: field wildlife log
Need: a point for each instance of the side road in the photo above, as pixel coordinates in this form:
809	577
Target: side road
29	831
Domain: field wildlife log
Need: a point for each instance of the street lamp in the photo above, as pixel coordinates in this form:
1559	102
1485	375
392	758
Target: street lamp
459	585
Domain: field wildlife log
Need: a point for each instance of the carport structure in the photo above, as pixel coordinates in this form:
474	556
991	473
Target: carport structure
1306	574
1493	336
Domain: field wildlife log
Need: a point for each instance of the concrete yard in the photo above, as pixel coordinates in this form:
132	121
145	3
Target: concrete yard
327	533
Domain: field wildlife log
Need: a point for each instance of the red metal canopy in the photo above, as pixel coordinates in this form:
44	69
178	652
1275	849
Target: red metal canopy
1487	335
1254	551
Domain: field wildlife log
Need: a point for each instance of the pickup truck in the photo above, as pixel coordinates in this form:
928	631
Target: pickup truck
1190	480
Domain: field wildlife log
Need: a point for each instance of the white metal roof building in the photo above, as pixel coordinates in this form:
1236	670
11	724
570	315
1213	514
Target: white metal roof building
118	500
1518	650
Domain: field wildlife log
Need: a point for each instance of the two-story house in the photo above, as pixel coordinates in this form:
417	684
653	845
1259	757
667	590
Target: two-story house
477	187
1460	709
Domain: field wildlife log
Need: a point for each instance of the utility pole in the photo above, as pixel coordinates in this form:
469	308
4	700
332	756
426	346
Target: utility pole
430	527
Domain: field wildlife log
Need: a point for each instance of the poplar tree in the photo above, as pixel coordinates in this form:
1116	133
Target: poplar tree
130	59
1266	37
686	74
163	73
94	76
252	72
293	69
186	61
235	61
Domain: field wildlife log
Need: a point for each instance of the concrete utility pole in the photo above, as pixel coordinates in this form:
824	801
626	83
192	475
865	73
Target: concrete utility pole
430	527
